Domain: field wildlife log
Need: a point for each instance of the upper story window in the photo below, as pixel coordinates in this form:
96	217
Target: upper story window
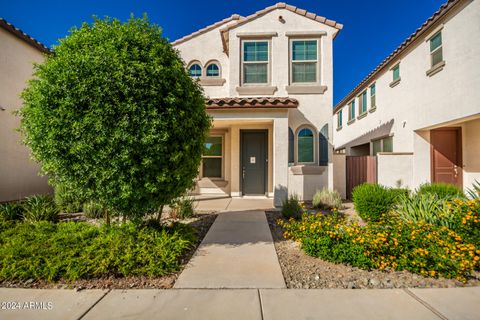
436	53
373	102
362	103
255	62
339	119
305	146
195	70
213	70
304	61
396	72
351	111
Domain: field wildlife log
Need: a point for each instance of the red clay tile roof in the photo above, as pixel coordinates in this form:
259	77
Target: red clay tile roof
207	28
280	5
22	35
242	103
440	13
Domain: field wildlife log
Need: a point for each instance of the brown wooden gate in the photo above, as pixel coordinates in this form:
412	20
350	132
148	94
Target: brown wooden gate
360	169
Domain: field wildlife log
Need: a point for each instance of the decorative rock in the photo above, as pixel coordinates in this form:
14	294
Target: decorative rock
373	282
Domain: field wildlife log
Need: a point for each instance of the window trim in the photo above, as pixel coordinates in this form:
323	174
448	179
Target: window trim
222	157
314	150
191	64
373	97
351	109
269	62
208	64
317	61
362	104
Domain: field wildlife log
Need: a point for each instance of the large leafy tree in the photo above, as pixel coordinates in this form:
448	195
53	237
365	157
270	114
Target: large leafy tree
113	117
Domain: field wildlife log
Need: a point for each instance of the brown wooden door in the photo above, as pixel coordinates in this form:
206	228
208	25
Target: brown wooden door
360	169
447	156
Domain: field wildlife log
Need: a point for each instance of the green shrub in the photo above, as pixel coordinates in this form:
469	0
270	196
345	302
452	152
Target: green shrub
426	207
371	201
78	250
11	211
115	117
67	201
474	191
419	247
182	208
441	190
292	208
92	210
40	208
327	199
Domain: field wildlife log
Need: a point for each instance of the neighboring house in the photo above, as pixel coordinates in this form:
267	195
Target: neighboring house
418	112
268	79
18	175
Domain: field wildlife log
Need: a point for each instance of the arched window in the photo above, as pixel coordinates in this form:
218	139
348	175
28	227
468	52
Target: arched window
213	70
195	70
323	146
305	146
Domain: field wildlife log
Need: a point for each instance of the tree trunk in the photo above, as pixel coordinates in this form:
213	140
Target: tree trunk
107	217
160	211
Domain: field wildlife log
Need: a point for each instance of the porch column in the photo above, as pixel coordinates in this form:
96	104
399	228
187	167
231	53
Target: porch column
280	160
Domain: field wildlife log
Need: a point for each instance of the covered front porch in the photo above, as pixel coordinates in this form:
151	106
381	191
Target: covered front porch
247	149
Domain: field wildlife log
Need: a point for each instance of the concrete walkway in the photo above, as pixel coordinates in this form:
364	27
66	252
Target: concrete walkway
236	304
223	203
237	252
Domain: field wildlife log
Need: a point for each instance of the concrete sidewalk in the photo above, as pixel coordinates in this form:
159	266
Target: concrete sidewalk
237	252
218	203
236	304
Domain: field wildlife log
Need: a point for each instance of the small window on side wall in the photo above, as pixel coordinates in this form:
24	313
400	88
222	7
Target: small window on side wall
382	145
436	52
351	110
305	146
195	70
373	100
396	72
212	157
339	119
213	70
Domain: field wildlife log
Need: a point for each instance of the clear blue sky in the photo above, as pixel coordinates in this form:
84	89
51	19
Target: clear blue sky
372	28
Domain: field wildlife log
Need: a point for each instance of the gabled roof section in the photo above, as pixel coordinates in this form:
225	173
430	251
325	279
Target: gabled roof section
280	5
233	17
439	14
250	103
23	36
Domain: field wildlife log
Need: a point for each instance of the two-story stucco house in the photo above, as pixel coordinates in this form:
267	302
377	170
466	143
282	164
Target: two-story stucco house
268	79
418	112
18	174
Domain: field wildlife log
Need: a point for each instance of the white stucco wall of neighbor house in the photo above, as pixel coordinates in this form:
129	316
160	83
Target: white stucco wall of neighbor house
420	102
18	174
314	108
394	170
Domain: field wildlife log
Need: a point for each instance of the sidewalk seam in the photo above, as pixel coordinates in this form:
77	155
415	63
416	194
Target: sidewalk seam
261	304
425	304
93	305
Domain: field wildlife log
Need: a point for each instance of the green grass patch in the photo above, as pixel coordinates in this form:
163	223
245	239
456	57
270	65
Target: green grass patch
71	251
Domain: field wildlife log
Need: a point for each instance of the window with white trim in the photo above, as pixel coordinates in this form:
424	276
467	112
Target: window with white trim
351	110
373	102
362	103
396	72
213	70
436	52
339	118
304	61
212	158
255	62
195	70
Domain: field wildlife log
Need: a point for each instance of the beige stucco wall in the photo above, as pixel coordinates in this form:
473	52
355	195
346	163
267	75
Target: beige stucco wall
471	152
339	174
314	110
18	174
395	170
421	102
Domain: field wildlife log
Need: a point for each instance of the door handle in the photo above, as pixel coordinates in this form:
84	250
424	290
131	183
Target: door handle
243	172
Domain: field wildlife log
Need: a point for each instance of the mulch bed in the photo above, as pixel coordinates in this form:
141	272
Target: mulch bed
201	222
304	272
